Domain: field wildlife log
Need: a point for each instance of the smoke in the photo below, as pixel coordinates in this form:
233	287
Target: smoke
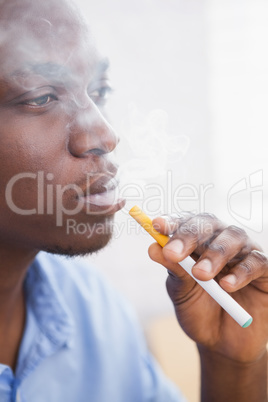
151	149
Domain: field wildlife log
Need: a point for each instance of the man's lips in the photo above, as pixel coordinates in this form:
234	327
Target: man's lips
100	184
102	196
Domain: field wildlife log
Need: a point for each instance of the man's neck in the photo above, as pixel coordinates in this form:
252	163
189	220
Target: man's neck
13	268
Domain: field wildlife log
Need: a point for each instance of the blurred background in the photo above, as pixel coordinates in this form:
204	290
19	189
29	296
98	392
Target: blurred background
190	81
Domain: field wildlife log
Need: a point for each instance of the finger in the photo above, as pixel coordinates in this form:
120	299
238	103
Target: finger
168	224
197	231
230	243
253	268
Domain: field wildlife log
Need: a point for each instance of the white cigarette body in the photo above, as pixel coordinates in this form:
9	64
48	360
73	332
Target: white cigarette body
219	295
211	286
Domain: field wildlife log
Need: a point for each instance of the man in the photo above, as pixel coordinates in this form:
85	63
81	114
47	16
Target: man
65	335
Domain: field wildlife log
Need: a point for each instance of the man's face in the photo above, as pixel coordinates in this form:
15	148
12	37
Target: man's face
57	177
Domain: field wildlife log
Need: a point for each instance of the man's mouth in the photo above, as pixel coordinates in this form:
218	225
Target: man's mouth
102	196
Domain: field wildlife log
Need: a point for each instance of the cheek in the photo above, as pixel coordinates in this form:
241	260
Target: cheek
31	144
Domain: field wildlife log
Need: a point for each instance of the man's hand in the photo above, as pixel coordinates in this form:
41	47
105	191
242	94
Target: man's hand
229	256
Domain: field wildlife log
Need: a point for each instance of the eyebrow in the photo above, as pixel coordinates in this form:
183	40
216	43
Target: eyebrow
56	71
46	70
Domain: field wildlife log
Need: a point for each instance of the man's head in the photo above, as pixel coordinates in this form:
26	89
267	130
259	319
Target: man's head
57	177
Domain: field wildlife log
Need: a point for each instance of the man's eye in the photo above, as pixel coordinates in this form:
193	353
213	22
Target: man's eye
41	100
100	95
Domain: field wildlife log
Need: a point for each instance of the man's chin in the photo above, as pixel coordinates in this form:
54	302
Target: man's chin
78	250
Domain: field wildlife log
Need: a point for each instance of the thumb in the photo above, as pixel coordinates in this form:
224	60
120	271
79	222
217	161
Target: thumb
155	252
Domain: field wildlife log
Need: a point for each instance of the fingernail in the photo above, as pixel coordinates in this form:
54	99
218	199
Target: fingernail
169	224
231	279
176	246
205	265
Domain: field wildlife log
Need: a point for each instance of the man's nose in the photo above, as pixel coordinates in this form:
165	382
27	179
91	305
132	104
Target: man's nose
90	133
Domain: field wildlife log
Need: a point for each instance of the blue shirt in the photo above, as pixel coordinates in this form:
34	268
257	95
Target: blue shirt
81	342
